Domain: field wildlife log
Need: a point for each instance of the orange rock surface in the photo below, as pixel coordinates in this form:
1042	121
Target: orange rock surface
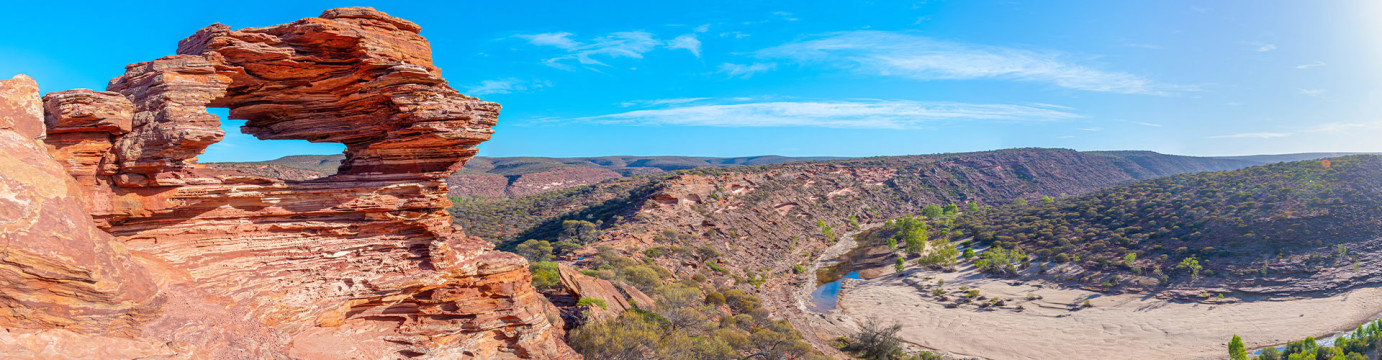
615	300
219	264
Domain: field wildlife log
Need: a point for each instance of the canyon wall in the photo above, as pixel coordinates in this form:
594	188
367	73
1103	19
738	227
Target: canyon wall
214	263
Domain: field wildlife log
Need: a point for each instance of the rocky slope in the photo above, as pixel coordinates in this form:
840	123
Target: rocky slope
208	263
788	199
747	227
1287	229
503	177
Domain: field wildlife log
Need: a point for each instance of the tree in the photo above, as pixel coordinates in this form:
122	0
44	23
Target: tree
892	244
974	207
900	264
1000	260
1020	202
969	253
1192	266
680	305
915	244
942	254
913	232
579	232
715	298
534	250
776	340
1129	259
545	275
641	276
951	210
1047	199
876	341
932	211
630	337
1236	350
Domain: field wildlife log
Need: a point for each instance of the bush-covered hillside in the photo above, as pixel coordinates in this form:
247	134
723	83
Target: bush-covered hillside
1239	223
765	207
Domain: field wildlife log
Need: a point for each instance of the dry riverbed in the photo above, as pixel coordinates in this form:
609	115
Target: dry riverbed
1052	324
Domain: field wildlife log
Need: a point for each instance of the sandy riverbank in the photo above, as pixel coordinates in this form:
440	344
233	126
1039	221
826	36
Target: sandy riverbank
1131	326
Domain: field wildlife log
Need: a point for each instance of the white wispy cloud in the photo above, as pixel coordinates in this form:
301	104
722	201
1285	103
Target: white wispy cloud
1146	124
785	15
1050	105
861	114
1254	135
1092	129
900	54
688	42
657	102
1266	47
1347	126
626	44
1310	65
1312	92
560	40
504	86
746	70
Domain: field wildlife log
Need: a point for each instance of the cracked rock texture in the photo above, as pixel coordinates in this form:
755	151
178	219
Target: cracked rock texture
125	247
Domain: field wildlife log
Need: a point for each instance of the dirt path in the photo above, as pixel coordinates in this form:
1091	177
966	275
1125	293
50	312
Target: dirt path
1117	326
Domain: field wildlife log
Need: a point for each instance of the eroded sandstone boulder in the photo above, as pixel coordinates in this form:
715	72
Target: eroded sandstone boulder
57	269
362	264
616	298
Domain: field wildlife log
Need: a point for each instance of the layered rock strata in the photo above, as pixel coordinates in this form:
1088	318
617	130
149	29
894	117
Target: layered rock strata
57	270
362	264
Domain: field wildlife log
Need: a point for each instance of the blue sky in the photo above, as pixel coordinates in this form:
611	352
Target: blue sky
737	78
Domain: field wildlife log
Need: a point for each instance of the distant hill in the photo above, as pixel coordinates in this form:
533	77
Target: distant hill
1287	228
1269	159
498	177
766	216
502	177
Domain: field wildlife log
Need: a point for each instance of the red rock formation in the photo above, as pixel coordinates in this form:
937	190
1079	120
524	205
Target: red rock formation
581	286
57	270
362	264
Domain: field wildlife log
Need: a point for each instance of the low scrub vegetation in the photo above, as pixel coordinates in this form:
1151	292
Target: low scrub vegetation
1195	225
878	341
727	324
1357	345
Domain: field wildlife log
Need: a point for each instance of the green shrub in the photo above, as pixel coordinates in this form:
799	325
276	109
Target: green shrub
642	277
876	341
585	301
534	250
545	275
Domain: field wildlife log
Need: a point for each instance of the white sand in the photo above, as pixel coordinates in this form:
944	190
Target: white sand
1117	327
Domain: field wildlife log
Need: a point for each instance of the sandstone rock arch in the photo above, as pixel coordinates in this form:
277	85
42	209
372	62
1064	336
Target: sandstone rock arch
362	263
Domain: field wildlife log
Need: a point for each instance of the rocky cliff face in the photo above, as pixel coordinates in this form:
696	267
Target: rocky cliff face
209	263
